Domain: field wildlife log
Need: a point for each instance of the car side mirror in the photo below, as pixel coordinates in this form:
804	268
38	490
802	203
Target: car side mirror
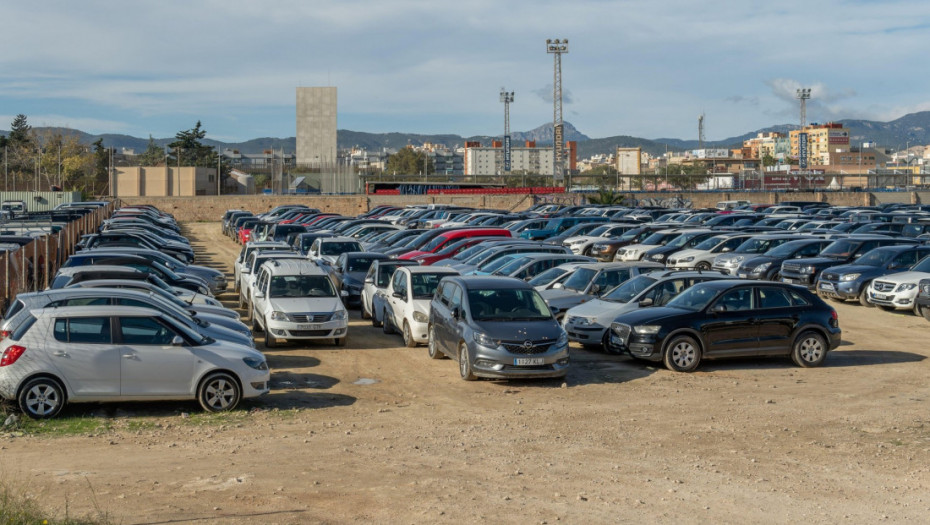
369	280
596	289
456	313
259	294
557	286
719	308
646	302
554	310
399	295
177	341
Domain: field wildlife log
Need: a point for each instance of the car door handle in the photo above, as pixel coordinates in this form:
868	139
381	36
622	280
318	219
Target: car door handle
60	353
129	356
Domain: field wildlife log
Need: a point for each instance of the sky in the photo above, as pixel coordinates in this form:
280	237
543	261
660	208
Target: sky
640	68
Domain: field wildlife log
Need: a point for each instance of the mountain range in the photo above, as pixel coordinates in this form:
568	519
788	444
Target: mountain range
913	128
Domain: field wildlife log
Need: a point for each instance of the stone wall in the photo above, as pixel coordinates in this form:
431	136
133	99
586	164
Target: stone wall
211	208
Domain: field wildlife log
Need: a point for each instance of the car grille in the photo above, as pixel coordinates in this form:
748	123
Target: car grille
520	347
791	267
308	333
830	276
311	317
882	286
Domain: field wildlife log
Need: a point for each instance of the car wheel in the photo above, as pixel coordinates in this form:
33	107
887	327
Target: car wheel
374	320
41	398
776	277
810	348
270	341
386	323
241	300
365	314
408	336
864	296
433	346
465	363
703	266
682	354
925	311
256	326
340	341
219	392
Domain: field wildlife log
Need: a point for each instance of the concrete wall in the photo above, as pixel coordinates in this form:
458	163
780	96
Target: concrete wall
159	181
211	208
316	125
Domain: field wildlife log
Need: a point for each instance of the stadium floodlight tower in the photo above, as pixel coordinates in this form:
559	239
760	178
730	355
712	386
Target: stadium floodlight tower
556	47
507	99
803	94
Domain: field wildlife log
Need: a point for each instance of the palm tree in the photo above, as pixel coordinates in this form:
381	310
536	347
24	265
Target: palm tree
605	196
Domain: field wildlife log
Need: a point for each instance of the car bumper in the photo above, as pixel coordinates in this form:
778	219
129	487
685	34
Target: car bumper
587	334
500	364
646	347
256	384
803	280
289	330
847	290
419	331
729	270
903	300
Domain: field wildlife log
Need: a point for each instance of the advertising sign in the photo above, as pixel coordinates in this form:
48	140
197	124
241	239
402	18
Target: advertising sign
802	150
507	154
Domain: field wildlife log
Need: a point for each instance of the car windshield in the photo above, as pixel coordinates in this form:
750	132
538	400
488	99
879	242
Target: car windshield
433	244
785	250
339	247
631	234
511	265
423	285
682	239
693	299
301	286
359	264
579	280
629	289
658	238
596	232
547	276
876	258
840	249
469	252
495	263
711	243
922	266
507	305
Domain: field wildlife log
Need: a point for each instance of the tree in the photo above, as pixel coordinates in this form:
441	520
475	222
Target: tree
603	169
20	130
153	154
605	196
768	160
101	175
192	152
408	162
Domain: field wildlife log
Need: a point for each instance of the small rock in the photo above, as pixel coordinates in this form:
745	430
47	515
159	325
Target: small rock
564	385
10	421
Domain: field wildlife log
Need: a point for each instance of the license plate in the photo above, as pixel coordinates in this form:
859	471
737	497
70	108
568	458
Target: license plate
789	281
742	275
879	296
827	286
308	327
529	361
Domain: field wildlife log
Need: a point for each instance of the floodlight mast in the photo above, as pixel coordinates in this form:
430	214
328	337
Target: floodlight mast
556	47
803	94
506	98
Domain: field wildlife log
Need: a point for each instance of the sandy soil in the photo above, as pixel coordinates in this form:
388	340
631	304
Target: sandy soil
376	432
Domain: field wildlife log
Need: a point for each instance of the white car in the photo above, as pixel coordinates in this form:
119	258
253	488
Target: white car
247	249
899	290
98	353
378	278
248	273
702	256
581	244
635	252
406	301
295	300
326	250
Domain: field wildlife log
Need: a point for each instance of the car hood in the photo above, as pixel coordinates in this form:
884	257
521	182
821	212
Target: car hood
905	277
521	330
857	268
579	238
604	311
816	261
649	315
305	304
411	255
691	252
554	294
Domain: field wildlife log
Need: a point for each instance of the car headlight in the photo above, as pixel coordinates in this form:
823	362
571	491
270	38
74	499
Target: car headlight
850	277
562	340
762	267
738	259
420	317
585	321
340	315
484	340
278	316
647	329
925	288
686	259
256	363
807	269
617	328
657	256
905	287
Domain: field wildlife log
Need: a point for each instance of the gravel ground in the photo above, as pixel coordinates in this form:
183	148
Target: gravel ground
375	432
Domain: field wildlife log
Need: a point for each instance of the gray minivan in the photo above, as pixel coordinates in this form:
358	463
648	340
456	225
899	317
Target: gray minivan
496	327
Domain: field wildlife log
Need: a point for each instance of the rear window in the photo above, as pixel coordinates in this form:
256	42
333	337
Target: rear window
23	327
13	309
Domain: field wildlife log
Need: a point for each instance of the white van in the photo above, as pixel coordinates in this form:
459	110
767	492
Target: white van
730	205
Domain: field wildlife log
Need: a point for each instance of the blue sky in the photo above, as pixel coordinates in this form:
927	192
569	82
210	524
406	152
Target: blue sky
640	68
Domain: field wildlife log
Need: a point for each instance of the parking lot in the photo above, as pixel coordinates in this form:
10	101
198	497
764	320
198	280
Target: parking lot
375	432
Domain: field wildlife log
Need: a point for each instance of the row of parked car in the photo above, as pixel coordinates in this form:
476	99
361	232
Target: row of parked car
414	274
170	339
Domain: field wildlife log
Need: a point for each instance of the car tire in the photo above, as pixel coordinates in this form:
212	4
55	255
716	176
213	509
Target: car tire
864	296
465	371
340	341
270	341
924	311
408	336
241	300
809	349
364	312
776	277
386	323
41	398
682	354
374	320
256	326
219	392
702	266
432	345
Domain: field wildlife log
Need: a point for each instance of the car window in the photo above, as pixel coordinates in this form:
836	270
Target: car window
423	285
79	301
736	300
665	291
507	305
385	272
774	298
83	330
144	331
445	293
906	259
397	281
300	286
610	278
456	297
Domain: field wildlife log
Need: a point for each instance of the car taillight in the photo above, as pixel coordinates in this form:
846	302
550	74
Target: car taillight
4	334
11	354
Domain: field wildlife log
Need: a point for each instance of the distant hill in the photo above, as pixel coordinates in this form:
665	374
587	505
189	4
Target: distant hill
913	128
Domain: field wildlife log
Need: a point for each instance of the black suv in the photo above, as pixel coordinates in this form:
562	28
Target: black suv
730	318
842	251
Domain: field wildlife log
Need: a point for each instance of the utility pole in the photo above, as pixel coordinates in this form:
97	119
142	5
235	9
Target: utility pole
555	48
507	99
701	131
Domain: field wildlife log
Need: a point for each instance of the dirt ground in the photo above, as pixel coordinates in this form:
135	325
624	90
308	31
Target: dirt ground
378	433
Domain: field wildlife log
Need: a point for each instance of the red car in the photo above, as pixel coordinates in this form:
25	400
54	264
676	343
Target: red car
445	239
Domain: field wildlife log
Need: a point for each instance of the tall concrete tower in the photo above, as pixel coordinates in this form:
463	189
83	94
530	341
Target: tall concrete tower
316	126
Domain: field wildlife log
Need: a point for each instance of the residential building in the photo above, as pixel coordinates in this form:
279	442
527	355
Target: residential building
489	160
822	139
